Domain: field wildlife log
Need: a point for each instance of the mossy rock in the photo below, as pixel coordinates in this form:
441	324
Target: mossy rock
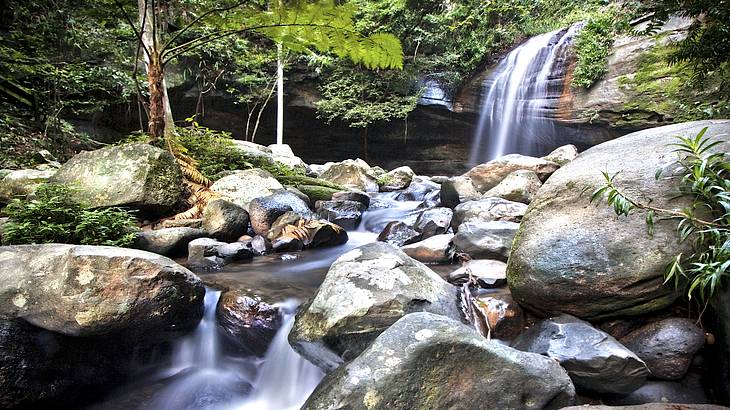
318	193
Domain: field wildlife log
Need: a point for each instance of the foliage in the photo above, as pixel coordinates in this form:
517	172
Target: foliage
53	217
706	181
592	48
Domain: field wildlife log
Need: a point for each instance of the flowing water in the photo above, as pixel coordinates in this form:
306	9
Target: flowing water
521	98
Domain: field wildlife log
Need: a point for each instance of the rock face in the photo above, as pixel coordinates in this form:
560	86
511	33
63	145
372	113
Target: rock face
426	361
396	179
667	347
577	258
21	183
519	186
351	174
486	240
436	249
594	360
487	210
365	291
225	220
248	322
243	186
96	290
435	221
457	190
134	175
264	211
168	241
487	176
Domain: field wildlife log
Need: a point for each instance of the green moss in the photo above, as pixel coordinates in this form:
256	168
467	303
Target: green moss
317	193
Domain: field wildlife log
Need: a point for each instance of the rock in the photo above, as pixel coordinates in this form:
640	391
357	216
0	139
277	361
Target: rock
581	259
435	221
133	175
667	347
651	406
427	361
352	195
260	245
399	234
519	186
236	251
168	241
3	222
457	190
283	153
247	321
366	290
351	174
225	220
594	360
254	151
244	186
264	211
82	290
307	233
317	193
300	194
22	183
435	249
721	367
500	316
487	210
486	240
182	223
488	273
562	155
418	190
346	214
687	391
487	176
203	254
287	244
277	228
396	179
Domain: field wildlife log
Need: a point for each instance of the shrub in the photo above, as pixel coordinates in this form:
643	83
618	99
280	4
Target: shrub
592	48
53	217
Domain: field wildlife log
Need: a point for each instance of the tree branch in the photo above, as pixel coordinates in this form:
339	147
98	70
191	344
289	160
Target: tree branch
137	33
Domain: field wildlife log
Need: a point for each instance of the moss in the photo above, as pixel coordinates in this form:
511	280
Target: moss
317	193
300	180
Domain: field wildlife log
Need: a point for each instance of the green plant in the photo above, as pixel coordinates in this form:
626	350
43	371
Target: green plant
592	48
706	181
385	179
54	217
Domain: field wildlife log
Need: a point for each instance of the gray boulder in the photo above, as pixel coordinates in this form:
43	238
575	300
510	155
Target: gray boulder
427	361
22	183
581	259
594	360
264	211
434	221
346	214
418	190
352	174
457	190
490	240
282	153
82	290
667	346
487	176
562	155
687	391
399	234
203	254
134	175
168	241
224	220
365	291
519	186
247	321
396	179
243	186
487	210
488	273
435	249
352	195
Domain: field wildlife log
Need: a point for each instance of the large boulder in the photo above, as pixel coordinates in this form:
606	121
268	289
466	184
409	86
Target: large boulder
427	361
667	346
582	259
96	290
351	174
346	214
487	210
396	179
22	183
247	321
486	240
133	175
434	221
399	234
562	155
687	391
487	176
594	360
435	249
365	291
225	220
264	211
243	186
282	153
418	190
457	190
168	241
519	186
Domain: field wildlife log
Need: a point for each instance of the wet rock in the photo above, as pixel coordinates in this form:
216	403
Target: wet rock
168	241
247	321
236	251
573	257
487	210
203	254
519	186
594	360
264	211
134	175
260	245
562	155
427	361
352	195
418	190
287	244
300	194
365	291
488	273
487	176
500	316
457	190
667	346
288	218
352	174
307	233
225	220
396	179
434	221
346	214
317	193
22	183
399	234
97	290
687	391
486	240
435	249
244	186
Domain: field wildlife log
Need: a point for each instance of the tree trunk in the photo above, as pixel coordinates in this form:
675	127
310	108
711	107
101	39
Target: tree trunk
155	79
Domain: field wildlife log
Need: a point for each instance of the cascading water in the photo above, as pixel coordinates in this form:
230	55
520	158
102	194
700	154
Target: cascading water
521	97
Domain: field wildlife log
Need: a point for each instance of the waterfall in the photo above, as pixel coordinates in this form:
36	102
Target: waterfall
521	96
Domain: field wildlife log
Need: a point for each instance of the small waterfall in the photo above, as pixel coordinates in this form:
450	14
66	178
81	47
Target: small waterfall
521	96
202	348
